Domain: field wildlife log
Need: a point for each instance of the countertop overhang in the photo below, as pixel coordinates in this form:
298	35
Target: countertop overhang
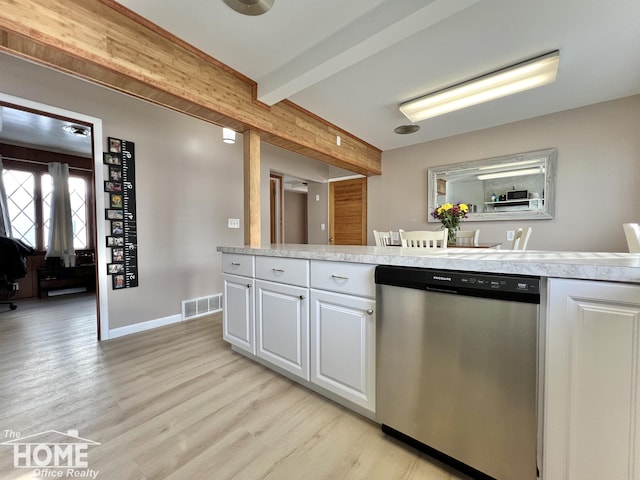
607	266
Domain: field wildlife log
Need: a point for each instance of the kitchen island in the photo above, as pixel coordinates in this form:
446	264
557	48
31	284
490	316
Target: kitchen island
308	311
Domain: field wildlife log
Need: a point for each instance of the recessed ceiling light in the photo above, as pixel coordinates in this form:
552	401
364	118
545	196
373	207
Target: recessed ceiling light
406	129
76	130
250	7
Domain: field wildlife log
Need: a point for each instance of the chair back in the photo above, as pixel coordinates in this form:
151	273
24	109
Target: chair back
382	238
424	239
467	237
521	238
632	234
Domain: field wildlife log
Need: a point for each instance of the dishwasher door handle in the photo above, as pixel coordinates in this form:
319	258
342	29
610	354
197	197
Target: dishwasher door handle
441	290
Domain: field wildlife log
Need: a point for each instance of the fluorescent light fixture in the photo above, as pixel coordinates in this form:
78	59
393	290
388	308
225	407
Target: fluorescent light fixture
517	78
511	173
228	135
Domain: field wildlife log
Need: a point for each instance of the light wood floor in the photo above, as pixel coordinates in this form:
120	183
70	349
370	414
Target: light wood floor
176	403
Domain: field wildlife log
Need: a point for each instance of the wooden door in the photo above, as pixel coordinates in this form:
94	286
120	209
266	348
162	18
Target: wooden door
348	212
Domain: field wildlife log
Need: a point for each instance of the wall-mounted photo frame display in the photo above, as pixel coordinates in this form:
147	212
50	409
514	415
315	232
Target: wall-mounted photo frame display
115	241
115	200
115	173
115	144
122	236
117	227
113	214
115	268
109	158
110	186
117	254
118	281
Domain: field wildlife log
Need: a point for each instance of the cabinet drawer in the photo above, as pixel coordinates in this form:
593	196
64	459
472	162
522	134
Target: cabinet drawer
238	264
348	278
293	271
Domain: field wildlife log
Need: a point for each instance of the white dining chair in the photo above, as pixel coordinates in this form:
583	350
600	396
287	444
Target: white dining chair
467	238
632	234
382	239
424	239
521	238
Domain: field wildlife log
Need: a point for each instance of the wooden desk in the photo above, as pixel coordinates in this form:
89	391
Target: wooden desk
63	277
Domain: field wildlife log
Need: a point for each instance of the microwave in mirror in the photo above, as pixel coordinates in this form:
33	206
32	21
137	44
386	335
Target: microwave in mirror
512	187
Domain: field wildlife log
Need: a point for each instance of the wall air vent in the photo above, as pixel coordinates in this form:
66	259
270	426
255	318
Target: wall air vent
198	307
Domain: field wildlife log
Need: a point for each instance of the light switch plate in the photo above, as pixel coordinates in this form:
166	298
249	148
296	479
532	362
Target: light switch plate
234	223
510	235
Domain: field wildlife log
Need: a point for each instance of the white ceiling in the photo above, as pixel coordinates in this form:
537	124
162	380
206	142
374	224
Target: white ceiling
352	62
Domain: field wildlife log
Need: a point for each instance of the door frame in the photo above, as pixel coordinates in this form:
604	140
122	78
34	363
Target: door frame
102	287
276	208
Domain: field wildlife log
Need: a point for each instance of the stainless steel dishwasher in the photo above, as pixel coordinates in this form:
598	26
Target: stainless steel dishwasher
457	367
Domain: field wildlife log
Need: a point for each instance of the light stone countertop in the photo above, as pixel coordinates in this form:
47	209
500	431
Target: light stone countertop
617	267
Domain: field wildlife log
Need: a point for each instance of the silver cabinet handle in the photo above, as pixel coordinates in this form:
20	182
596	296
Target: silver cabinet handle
369	312
339	277
278	270
302	297
235	264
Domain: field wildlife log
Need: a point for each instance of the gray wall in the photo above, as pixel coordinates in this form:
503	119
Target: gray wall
598	172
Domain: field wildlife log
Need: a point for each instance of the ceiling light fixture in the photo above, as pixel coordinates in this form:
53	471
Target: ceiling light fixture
76	130
250	7
516	78
228	135
512	173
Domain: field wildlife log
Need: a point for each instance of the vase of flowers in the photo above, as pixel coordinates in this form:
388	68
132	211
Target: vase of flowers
450	215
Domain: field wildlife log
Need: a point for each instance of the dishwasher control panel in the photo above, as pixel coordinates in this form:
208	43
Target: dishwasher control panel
520	287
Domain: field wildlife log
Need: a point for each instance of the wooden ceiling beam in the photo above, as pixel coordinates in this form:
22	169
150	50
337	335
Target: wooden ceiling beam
102	41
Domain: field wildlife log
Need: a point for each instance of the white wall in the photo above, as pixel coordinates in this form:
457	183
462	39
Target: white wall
598	173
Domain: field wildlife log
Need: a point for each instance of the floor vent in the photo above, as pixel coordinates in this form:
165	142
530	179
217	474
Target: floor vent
197	307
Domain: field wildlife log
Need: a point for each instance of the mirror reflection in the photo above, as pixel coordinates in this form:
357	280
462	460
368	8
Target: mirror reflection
512	187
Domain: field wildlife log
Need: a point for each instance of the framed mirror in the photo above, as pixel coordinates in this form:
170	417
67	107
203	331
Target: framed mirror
513	187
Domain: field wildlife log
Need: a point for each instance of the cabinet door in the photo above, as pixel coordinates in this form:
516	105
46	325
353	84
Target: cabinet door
343	346
592	385
238	323
282	326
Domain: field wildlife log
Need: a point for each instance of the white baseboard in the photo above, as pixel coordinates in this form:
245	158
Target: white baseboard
143	326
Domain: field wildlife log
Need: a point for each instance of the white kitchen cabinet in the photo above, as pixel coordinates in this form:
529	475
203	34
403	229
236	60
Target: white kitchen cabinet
238	308
343	346
343	330
238	325
592	381
282	326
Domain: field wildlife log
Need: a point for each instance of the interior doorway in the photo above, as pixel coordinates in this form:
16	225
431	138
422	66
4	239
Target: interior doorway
288	209
38	142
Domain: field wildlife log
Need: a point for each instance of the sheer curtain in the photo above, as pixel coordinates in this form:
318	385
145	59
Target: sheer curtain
61	226
5	223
